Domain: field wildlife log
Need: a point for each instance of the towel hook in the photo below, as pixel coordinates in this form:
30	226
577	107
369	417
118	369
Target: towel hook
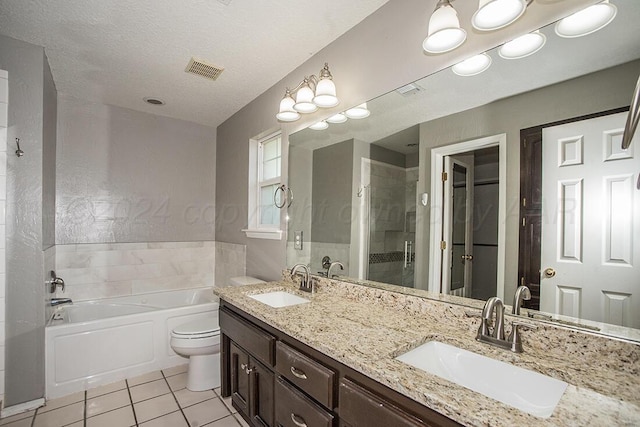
19	152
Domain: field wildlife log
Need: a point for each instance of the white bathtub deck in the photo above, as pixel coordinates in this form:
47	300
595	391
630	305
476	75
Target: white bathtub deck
151	400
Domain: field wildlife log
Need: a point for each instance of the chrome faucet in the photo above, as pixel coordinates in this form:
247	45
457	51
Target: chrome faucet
522	294
495	335
55	302
333	264
305	283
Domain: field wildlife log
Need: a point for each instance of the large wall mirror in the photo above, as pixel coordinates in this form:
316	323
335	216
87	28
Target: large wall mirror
425	193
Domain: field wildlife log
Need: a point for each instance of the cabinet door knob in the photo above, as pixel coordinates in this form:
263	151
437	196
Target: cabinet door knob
243	366
295	419
298	373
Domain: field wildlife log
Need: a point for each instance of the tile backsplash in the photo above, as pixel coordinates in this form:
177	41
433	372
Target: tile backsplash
93	271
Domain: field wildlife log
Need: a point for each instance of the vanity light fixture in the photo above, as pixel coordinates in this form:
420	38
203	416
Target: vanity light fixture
321	125
359	112
444	33
472	66
337	118
523	46
587	21
311	93
496	14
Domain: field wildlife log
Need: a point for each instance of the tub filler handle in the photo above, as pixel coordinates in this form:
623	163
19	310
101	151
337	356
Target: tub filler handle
54	282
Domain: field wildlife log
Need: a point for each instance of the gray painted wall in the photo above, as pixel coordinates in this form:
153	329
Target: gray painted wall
395	33
592	93
31	92
331	189
127	176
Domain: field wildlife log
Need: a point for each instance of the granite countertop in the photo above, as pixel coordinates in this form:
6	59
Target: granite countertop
603	374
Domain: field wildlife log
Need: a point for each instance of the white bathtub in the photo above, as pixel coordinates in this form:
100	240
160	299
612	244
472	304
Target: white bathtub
91	343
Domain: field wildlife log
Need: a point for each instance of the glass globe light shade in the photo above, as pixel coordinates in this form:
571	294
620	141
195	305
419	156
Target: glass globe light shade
523	46
304	100
587	21
326	94
359	112
472	66
286	112
495	14
337	118
444	32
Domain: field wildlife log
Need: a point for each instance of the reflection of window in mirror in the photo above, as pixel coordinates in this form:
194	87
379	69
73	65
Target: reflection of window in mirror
264	179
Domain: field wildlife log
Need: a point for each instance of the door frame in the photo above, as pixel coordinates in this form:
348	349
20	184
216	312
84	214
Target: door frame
437	204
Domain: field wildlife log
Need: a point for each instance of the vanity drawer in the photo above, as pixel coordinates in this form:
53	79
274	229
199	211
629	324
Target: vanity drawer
310	376
294	409
254	340
361	408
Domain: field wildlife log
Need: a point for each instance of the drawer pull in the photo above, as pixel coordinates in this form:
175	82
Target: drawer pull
295	419
298	373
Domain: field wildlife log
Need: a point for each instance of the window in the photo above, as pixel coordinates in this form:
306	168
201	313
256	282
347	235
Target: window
264	178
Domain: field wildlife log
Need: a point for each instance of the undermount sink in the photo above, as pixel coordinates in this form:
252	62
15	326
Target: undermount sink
279	299
529	391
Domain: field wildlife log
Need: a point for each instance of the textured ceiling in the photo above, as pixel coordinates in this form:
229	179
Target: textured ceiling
120	51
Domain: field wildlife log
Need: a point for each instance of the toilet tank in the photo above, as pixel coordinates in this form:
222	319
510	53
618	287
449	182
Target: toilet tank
244	280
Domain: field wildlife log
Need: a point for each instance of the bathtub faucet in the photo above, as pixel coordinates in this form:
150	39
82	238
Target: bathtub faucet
60	301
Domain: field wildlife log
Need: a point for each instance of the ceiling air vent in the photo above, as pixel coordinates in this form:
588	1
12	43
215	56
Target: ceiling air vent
201	68
409	89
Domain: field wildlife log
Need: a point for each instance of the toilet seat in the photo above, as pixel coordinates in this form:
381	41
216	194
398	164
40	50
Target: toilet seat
198	329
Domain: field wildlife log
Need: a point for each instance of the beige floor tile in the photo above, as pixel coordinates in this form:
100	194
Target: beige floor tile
148	390
206	412
105	389
25	422
122	417
151	376
241	420
107	402
153	408
61	416
16	417
226	401
229	421
177	382
174	419
175	370
62	401
187	397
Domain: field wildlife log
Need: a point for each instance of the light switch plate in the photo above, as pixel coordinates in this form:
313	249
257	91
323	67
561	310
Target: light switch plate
297	240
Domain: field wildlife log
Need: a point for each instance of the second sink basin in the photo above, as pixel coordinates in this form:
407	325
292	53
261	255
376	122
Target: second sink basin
529	391
279	299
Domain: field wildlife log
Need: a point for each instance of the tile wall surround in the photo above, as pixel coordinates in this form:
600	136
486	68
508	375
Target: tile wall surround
103	270
231	261
4	104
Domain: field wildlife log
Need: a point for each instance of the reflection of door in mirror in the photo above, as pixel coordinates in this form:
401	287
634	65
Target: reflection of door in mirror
470	223
589	252
457	259
388	216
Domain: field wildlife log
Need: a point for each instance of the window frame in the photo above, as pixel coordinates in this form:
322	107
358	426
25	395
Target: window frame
255	228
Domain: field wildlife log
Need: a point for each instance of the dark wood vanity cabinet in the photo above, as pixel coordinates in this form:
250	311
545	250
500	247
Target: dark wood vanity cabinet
274	380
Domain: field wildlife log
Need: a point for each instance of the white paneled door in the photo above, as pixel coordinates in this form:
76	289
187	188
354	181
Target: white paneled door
591	222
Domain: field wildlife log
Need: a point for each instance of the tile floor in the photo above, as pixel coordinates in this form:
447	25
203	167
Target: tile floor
157	399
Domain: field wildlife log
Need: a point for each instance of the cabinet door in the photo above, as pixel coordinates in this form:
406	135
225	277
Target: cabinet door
261	399
361	408
239	361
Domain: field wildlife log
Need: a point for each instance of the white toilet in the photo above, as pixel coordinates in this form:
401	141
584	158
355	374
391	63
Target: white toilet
200	341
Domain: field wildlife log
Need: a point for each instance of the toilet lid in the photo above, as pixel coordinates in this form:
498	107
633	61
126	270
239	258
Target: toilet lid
207	326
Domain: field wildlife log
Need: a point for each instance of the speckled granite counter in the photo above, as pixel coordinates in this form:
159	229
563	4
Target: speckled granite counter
366	328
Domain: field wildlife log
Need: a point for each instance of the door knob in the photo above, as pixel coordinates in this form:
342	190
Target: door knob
549	272
467	257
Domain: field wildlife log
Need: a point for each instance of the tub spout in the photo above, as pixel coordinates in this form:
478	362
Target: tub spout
60	301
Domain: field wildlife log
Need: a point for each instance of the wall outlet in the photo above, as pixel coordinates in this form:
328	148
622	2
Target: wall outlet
297	240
